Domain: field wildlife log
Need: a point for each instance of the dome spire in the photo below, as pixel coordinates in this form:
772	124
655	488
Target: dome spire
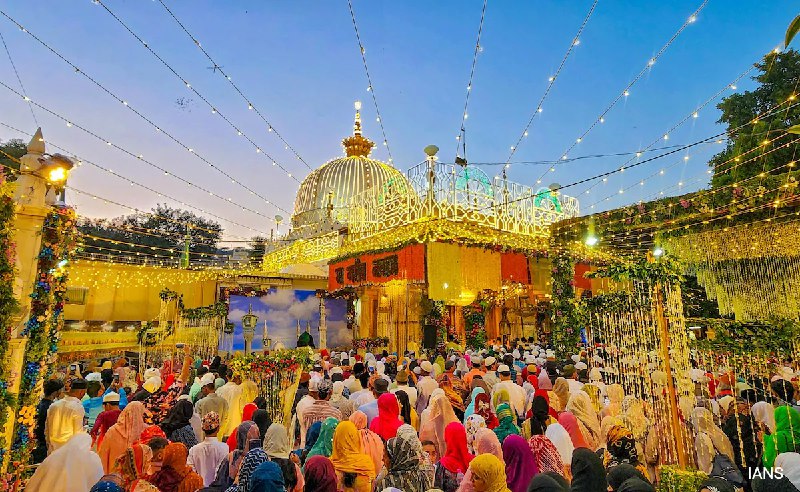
357	145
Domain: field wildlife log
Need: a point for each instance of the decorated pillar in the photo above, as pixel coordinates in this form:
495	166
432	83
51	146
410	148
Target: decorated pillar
323	325
249	322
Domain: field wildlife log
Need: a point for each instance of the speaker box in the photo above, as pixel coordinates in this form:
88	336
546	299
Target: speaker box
429	337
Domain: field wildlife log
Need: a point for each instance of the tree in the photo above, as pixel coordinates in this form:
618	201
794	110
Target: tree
160	233
778	78
257	248
16	148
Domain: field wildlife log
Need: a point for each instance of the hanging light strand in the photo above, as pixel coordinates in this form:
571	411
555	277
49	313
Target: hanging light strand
370	87
138	113
139	157
551	82
218	68
19	79
214	109
462	136
626	90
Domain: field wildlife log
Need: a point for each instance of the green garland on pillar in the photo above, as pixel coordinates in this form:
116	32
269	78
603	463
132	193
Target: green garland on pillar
8	303
475	324
566	317
44	324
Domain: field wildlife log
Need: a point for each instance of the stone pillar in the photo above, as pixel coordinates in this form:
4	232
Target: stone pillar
323	324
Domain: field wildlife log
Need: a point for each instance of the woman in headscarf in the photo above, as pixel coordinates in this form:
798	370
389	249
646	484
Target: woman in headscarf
630	477
388	420
632	414
355	470
446	384
267	477
571	425
454	464
499	397
594	396
250	463
621	449
122	435
488	474
786	438
559	436
404	466
440	416
73	467
485	443
540	411
131	467
371	443
764	413
246	433
320	475
407	413
247	414
588	474
276	445
341	403
580	405
473	424
544	482
507	424
175	475
262	419
477	390
615	394
789	464
311	438
521	465
561	389
547	455
483	408
324	444
710	439
177	425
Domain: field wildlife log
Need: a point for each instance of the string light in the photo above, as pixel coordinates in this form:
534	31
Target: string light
370	87
622	94
552	81
135	111
151	164
19	79
463	139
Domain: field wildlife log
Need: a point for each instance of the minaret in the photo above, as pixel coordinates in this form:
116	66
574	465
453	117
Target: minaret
298	330
323	325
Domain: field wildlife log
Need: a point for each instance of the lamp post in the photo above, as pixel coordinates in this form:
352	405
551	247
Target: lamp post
249	322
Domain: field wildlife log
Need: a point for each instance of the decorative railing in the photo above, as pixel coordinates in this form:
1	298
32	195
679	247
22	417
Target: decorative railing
302	251
461	194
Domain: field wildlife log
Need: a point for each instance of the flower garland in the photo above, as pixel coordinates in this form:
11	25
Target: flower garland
8	303
776	336
475	324
287	360
674	479
370	343
566	312
439	317
46	318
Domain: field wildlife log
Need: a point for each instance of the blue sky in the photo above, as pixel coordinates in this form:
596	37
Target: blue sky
298	61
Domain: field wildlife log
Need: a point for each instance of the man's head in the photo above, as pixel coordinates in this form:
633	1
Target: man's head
430	448
476	362
363	378
236	379
210	424
491	363
94	389
426	367
402	377
78	388
313	387
783	389
569	372
157	445
53	389
324	390
207	381
380	387
504	372
111	401
202	371
449	366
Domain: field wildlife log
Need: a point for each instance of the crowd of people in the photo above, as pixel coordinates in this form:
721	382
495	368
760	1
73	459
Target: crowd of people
504	419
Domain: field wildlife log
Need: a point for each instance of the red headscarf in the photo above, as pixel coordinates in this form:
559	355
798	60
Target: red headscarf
151	432
483	408
570	423
388	420
247	414
546	395
457	457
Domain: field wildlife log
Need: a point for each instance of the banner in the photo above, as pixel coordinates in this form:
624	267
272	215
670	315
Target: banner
514	268
407	263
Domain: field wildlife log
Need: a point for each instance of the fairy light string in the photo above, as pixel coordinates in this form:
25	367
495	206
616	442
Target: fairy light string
551	81
462	136
626	91
371	86
218	68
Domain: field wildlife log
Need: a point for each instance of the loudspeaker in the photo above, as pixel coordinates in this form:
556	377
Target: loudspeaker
429	337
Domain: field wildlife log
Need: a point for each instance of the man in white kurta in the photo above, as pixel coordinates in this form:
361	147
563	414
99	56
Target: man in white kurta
206	456
515	392
65	416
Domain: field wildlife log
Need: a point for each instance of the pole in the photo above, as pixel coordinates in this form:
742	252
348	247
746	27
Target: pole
663	330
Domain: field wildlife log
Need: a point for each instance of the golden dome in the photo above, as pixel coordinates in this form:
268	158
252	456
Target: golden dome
325	193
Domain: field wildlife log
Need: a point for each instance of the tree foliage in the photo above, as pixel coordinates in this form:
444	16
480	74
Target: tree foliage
16	148
778	79
161	232
256	249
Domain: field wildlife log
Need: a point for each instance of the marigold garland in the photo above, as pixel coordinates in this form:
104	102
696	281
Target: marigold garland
8	303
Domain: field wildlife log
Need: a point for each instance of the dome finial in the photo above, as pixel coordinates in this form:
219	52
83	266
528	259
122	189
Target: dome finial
357	145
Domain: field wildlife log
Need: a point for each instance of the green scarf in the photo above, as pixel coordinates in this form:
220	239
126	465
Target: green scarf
786	438
507	425
324	444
